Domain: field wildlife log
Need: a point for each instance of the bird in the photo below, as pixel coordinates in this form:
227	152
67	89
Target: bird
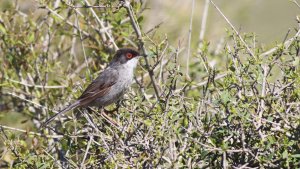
110	85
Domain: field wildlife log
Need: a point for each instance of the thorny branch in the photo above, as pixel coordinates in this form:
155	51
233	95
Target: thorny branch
138	32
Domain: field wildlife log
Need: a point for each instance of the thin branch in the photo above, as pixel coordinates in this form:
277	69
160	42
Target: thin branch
204	20
62	18
86	151
279	91
37	134
155	27
138	32
286	45
90	6
205	82
263	94
294	1
189	40
83	49
101	23
224	160
29	101
202	33
162	65
232	27
79	68
210	148
104	29
91	122
35	86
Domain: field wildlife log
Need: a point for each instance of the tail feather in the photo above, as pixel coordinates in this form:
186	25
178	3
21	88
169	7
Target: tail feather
68	108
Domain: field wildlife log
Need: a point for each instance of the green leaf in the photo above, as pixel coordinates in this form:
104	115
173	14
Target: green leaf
148	122
285	154
225	97
31	37
140	19
295	155
2	29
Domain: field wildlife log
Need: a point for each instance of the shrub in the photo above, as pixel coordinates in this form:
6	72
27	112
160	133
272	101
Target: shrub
242	112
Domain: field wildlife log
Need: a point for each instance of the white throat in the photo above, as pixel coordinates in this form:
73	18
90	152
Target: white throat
131	64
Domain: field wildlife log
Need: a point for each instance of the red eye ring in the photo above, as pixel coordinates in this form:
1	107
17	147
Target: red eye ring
129	55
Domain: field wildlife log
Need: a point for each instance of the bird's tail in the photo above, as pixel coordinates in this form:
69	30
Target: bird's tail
72	106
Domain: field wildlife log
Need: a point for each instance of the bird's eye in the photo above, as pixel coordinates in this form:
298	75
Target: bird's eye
129	55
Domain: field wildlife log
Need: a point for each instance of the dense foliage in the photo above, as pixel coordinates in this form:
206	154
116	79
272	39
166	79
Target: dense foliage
242	111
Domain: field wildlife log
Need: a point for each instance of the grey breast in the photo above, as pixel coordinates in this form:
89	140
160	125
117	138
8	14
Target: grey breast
118	89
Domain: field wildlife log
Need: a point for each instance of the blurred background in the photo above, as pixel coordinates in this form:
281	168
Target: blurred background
270	20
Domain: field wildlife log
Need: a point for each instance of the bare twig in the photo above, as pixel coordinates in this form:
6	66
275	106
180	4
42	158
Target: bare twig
102	30
79	68
138	32
204	20
35	86
286	45
263	94
37	134
294	1
83	49
29	101
279	91
205	82
101	23
55	160
90	121
155	27
232	27
162	65
189	40
62	18
90	6
86	151
224	160
202	33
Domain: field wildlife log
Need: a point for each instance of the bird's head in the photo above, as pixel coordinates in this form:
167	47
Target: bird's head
127	57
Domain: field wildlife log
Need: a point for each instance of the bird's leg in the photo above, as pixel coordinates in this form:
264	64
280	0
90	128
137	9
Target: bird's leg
107	118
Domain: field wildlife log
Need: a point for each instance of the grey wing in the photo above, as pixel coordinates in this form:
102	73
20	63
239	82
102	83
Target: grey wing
99	87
